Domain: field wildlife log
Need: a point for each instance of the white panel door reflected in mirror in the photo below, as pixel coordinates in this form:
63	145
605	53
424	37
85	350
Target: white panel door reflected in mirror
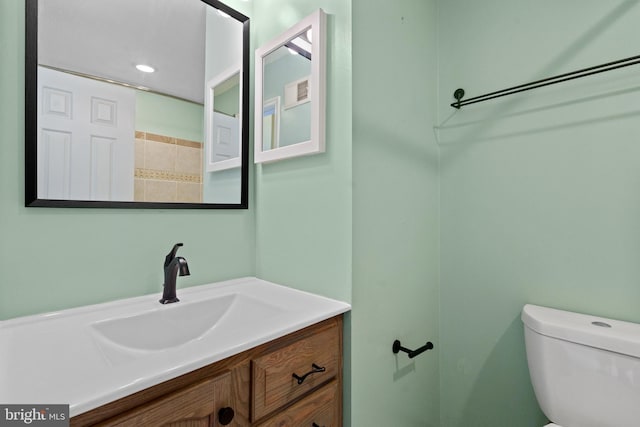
290	92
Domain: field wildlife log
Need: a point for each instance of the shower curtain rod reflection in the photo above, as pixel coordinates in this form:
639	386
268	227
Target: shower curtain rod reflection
459	93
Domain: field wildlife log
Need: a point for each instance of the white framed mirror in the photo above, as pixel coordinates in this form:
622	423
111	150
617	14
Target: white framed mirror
290	92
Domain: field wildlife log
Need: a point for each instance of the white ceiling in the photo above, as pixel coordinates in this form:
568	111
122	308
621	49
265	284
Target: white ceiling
107	38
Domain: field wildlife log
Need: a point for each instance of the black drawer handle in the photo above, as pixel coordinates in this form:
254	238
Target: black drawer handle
315	369
315	425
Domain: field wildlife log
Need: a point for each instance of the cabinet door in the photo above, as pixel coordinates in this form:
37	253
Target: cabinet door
194	406
318	409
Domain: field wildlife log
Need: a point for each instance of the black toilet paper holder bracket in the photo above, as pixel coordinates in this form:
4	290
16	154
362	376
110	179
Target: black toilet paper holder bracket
397	347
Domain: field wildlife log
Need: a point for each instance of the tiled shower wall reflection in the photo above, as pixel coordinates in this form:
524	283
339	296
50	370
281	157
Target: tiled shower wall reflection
167	169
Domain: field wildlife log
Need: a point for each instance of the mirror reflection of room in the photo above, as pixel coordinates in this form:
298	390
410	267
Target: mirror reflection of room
286	93
122	88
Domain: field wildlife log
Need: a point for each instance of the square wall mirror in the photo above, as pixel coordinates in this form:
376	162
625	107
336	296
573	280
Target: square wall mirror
136	104
290	92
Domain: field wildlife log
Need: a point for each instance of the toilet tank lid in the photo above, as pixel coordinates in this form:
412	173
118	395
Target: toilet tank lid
608	334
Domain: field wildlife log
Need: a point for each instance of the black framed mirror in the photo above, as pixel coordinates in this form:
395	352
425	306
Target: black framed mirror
136	104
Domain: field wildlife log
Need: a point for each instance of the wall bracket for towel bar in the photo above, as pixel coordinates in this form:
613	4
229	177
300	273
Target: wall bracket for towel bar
459	93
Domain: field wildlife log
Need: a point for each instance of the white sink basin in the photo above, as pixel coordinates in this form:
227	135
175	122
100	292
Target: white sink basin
89	356
176	324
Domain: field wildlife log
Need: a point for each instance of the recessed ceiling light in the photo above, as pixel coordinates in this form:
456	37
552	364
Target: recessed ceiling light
145	68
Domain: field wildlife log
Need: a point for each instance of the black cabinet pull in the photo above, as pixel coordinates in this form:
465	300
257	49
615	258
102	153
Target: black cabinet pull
225	415
315	425
315	369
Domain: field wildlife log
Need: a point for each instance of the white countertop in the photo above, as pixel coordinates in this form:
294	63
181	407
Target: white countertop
58	358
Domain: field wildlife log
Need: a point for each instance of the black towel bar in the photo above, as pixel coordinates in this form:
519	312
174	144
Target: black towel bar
459	93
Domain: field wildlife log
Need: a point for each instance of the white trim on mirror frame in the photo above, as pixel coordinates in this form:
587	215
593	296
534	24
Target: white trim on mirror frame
317	23
209	109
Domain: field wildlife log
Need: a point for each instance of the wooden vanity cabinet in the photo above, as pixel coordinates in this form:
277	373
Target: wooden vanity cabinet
193	406
251	389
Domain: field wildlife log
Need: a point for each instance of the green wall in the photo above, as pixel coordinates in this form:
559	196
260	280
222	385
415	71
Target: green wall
539	191
303	207
364	227
228	102
53	259
395	213
165	115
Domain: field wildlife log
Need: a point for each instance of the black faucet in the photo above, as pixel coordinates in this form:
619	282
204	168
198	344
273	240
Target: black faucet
173	265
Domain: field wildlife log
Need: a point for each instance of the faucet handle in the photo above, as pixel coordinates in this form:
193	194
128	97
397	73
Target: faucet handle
171	255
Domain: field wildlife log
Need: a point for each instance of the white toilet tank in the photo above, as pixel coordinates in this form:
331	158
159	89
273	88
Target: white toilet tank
585	369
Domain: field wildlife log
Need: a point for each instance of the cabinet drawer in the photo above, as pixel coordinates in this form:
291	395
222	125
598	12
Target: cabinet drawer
315	360
320	408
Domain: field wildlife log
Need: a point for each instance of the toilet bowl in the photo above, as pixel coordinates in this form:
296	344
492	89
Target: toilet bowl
585	370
